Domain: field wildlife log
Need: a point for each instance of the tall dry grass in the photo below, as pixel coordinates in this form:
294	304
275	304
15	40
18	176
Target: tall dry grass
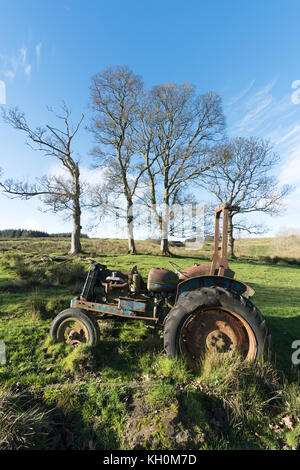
23	425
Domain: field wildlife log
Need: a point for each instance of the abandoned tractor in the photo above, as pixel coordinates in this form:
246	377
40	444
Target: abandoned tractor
200	308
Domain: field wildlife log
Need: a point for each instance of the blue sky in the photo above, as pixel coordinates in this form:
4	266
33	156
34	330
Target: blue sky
248	51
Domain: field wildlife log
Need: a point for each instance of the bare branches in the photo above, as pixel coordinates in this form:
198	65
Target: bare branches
154	143
177	132
21	189
58	192
244	178
49	140
114	98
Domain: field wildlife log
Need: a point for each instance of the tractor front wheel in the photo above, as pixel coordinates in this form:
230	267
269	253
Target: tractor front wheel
214	319
75	327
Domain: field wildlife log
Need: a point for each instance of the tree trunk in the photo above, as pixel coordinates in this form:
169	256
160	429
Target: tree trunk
131	246
164	230
164	247
131	243
230	237
75	238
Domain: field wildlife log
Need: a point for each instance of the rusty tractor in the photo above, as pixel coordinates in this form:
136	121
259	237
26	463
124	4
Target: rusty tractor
200	308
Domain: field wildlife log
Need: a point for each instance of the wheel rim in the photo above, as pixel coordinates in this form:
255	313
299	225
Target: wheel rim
218	330
73	331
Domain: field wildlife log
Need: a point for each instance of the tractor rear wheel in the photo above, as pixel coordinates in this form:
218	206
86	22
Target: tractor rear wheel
75	327
214	319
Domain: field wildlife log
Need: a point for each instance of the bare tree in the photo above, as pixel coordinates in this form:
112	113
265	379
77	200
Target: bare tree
59	192
243	179
177	128
115	96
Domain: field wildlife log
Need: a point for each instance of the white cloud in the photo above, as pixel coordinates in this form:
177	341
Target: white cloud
9	73
240	95
32	224
260	112
88	175
11	65
38	49
290	173
289	133
248	113
27	71
23	55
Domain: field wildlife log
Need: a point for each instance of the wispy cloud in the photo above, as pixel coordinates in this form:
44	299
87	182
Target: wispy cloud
247	112
11	65
38	49
27	70
23	55
234	99
261	112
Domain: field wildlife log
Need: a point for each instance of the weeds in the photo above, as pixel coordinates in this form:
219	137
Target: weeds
171	370
80	360
37	306
55	306
291	399
160	396
292	438
22	424
244	388
67	273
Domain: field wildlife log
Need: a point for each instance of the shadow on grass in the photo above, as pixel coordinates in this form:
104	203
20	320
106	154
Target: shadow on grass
69	431
122	358
285	327
58	428
284	332
276	296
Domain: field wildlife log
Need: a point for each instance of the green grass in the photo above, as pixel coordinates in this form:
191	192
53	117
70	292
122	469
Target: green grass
127	378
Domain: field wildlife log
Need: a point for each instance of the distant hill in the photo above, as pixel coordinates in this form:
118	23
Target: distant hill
24	233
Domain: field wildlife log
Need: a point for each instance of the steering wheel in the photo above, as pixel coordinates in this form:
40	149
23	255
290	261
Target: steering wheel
175	268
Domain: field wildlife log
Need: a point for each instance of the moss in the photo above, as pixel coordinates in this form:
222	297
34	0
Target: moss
79	360
159	428
171	369
56	305
292	438
160	396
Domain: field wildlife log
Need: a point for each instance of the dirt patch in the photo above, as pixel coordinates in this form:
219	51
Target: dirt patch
160	429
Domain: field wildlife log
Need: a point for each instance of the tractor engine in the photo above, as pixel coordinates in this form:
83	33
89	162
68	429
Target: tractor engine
116	284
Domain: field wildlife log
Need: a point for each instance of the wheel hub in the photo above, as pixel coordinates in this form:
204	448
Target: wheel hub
74	336
219	341
73	332
214	330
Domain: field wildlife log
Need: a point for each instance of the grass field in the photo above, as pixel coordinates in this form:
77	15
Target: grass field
125	393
